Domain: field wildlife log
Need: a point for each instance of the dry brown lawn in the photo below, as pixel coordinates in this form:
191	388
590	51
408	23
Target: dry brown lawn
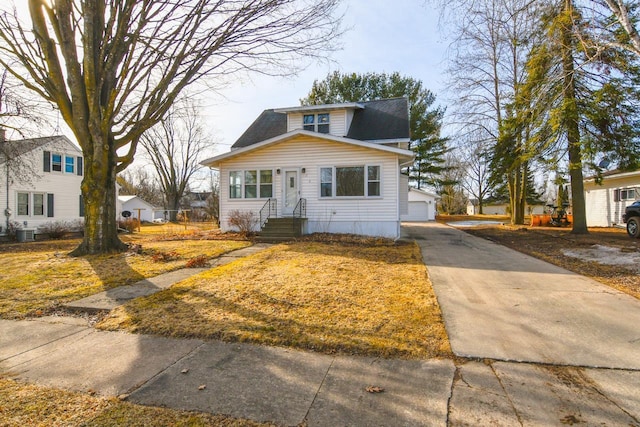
347	297
548	243
28	405
37	277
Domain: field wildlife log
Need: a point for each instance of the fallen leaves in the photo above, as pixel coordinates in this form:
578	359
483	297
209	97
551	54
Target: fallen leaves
374	389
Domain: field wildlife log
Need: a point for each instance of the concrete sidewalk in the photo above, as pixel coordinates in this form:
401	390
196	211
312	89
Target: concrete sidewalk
283	386
108	300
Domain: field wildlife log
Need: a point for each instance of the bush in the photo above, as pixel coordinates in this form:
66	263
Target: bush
197	262
165	256
244	221
55	229
129	224
12	230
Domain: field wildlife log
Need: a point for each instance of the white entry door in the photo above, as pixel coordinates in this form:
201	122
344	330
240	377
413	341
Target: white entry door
291	191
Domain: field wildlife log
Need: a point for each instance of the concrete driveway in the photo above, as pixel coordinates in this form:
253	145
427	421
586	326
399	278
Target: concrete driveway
500	304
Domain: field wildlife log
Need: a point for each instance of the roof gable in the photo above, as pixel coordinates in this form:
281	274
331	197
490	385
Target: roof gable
215	161
16	148
384	119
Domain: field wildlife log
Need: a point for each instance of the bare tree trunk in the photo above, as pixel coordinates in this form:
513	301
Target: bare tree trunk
99	196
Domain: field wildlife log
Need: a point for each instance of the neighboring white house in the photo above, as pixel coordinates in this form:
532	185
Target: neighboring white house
342	162
136	205
422	206
605	202
493	208
40	181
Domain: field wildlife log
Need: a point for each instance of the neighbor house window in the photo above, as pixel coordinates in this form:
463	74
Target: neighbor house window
251	184
626	194
56	162
38	204
69	164
316	122
350	181
23	204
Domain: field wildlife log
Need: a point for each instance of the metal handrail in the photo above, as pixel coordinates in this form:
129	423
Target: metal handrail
299	212
269	209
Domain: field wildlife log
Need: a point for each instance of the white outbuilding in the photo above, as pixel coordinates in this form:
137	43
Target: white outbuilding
422	206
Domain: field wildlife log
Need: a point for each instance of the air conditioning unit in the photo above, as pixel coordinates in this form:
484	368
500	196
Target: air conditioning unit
25	235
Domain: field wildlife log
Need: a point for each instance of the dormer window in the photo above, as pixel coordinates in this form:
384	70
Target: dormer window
316	122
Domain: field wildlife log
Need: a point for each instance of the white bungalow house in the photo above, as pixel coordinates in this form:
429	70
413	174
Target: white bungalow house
422	205
335	167
40	181
605	202
139	208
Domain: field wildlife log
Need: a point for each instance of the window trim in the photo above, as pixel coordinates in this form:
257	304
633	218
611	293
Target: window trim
334	195
31	204
53	163
258	184
626	190
73	164
316	122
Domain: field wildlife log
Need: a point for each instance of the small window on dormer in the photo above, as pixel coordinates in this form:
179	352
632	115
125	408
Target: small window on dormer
323	123
309	122
316	122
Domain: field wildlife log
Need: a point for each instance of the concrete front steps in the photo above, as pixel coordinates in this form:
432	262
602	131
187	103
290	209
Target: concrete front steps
281	229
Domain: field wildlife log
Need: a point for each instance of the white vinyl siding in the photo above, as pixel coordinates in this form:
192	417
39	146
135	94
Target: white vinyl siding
63	188
337	121
356	215
605	204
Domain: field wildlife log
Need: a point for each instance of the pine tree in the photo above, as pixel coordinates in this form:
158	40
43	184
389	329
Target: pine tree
425	121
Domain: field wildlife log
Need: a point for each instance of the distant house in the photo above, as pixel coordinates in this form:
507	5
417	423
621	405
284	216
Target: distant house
336	167
493	207
135	205
40	181
605	202
421	205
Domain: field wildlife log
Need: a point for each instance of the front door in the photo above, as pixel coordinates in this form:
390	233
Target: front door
291	191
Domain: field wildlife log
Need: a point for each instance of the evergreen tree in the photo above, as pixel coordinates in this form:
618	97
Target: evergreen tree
425	121
584	101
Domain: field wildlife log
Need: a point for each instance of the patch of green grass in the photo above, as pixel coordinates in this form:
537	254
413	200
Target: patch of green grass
29	405
329	297
37	277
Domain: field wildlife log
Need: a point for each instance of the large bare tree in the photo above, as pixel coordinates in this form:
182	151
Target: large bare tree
115	67
175	147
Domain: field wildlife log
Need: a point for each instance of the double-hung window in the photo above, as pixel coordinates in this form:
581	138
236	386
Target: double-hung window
69	164
56	162
350	181
38	204
316	122
23	204
251	184
626	194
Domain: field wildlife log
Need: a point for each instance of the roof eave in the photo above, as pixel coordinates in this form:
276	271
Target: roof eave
322	107
214	162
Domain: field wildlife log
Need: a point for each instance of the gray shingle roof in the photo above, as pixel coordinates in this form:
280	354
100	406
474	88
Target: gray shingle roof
382	119
267	125
378	120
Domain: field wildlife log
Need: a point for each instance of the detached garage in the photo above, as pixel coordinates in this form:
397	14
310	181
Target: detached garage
422	206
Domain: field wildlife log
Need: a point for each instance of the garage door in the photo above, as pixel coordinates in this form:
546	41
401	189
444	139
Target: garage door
418	211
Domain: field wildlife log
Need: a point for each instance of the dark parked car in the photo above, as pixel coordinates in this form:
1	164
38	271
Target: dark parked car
632	218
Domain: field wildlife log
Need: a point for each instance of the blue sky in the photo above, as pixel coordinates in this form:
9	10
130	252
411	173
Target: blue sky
385	36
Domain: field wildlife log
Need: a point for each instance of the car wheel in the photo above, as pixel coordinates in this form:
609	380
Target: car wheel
633	227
